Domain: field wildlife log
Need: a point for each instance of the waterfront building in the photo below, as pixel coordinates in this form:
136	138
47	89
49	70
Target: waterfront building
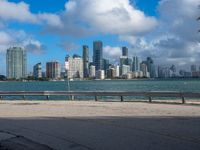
37	70
74	67
136	74
98	55
92	71
141	75
136	66
151	67
117	70
85	61
125	69
143	68
100	74
123	61
125	51
193	68
164	72
111	73
53	70
16	63
106	65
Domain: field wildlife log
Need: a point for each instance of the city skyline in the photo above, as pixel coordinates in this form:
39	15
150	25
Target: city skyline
50	32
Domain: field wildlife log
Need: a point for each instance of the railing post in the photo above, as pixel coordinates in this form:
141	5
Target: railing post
150	99
183	100
122	98
96	98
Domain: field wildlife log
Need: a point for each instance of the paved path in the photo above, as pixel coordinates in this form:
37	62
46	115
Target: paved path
98	126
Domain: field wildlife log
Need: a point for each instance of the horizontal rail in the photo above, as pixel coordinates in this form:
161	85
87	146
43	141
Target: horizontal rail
100	93
149	94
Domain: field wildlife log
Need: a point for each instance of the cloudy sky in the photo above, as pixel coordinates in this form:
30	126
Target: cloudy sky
166	30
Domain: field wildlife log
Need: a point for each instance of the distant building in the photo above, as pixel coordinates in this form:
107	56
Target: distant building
16	63
53	70
98	55
125	51
37	70
117	70
100	74
92	71
164	72
125	69
74	67
106	65
85	61
111	73
193	68
136	66
150	67
143	68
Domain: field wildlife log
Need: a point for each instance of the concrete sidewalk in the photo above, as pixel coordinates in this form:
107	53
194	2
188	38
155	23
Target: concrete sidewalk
98	126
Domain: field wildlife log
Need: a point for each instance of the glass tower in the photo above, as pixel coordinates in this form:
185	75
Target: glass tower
125	51
98	55
86	61
16	63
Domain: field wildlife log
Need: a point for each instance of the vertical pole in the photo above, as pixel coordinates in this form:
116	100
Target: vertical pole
183	100
96	98
150	100
122	98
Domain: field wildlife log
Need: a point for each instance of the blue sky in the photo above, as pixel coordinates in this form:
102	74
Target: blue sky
51	29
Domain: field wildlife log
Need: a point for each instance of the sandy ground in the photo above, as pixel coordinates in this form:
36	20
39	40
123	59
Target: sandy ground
89	125
93	109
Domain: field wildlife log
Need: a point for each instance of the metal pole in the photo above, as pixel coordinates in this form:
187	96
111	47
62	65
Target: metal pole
122	98
150	100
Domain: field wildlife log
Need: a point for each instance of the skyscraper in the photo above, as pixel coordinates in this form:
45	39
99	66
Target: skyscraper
151	67
136	63
37	70
74	67
86	61
16	63
53	70
98	55
125	51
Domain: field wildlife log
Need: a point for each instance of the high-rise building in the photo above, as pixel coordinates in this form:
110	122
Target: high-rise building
53	70
16	63
106	65
193	68
85	61
100	74
125	69
136	66
37	70
74	67
143	68
151	67
117	70
92	71
98	55
111	73
125	51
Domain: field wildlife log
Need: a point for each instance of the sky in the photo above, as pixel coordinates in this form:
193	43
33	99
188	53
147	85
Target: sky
166	30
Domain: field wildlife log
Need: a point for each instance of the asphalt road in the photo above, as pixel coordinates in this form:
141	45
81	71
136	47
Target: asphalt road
102	132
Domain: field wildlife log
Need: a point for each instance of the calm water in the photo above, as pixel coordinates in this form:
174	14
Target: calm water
119	85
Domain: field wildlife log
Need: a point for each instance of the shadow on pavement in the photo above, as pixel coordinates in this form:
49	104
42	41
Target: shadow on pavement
100	133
